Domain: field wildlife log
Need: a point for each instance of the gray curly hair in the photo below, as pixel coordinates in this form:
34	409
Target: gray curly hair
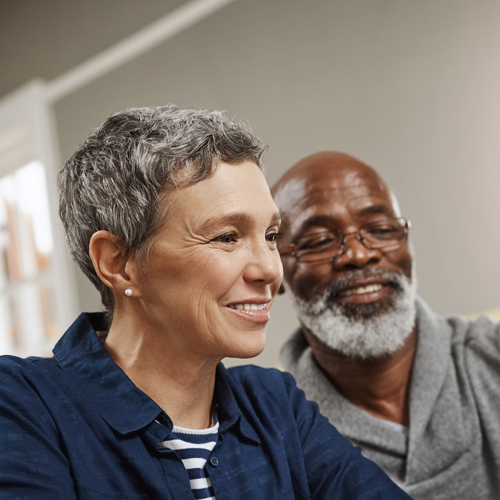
117	179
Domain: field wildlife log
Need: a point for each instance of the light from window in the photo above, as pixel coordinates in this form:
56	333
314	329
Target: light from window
26	251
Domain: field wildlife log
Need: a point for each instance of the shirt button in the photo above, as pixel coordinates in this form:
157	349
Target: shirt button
214	461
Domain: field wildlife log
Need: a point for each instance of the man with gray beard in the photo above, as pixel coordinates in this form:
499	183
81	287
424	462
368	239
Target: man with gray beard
359	331
418	392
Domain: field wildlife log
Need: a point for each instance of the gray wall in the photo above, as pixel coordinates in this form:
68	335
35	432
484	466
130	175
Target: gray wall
412	88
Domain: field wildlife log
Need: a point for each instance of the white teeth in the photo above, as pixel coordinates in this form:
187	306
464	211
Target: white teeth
361	290
248	307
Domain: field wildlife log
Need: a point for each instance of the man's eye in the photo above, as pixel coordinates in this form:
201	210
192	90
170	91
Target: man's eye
226	238
315	243
381	232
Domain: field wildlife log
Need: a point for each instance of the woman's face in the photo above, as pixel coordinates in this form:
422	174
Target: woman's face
214	269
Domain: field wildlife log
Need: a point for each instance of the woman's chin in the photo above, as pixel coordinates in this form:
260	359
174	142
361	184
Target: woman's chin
250	348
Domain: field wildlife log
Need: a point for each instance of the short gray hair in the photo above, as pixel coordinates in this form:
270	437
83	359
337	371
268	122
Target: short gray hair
114	179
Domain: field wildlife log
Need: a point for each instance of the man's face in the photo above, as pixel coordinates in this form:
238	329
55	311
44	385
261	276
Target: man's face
345	199
360	284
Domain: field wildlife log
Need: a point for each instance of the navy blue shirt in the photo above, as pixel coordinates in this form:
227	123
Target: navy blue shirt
76	427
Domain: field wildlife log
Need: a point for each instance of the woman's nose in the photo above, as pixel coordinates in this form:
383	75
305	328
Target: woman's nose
265	264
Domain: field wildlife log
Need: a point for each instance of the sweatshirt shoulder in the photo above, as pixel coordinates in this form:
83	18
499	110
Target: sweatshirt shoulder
484	335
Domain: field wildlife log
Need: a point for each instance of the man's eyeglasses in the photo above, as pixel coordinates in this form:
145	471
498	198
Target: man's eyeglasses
328	244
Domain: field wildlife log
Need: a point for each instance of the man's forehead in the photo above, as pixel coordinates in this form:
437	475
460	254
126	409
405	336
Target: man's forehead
306	192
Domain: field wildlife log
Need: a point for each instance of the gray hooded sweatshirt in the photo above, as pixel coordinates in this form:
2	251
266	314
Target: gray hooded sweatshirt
452	450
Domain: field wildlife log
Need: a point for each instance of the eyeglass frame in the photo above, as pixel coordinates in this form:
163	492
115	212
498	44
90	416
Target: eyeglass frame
292	250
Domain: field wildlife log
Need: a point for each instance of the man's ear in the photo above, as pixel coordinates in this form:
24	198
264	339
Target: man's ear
109	261
281	290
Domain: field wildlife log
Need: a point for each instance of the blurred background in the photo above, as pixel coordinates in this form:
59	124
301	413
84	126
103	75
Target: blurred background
410	87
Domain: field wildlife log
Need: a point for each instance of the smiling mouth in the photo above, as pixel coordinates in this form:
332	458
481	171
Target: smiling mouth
250	311
247	307
360	290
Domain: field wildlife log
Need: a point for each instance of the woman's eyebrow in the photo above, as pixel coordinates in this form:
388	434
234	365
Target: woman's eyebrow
276	219
222	220
235	217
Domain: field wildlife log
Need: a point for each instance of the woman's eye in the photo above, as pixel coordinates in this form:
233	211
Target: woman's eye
273	237
226	238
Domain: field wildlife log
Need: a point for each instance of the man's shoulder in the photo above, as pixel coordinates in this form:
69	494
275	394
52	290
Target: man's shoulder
482	332
481	335
472	346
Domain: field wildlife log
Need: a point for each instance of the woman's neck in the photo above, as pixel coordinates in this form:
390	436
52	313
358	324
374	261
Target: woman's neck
183	386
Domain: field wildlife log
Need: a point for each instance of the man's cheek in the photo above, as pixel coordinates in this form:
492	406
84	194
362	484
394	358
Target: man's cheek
405	263
309	286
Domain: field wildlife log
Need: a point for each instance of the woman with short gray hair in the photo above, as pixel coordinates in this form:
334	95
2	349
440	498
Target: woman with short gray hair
115	178
169	215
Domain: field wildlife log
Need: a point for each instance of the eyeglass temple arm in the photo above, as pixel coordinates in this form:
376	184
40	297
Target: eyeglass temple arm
286	250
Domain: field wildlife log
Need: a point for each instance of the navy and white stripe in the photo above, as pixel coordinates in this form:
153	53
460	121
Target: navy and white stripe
193	447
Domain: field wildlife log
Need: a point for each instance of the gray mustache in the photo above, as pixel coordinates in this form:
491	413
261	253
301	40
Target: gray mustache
362	274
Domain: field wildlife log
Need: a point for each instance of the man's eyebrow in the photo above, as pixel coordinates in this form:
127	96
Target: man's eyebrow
317	220
327	220
236	217
377	209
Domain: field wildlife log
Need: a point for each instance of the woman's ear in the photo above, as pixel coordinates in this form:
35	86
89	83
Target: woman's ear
109	261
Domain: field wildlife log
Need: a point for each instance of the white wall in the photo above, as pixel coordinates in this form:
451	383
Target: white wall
410	87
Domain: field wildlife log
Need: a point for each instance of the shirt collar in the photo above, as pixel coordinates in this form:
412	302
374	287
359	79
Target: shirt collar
103	383
227	393
115	397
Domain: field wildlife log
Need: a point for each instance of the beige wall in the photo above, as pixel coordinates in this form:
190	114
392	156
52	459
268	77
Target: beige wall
411	88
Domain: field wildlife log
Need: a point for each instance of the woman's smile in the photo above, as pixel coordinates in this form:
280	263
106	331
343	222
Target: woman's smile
254	311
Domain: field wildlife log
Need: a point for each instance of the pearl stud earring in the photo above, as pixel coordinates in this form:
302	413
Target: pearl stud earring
128	292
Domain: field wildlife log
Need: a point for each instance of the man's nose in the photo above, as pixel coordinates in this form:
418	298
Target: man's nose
354	254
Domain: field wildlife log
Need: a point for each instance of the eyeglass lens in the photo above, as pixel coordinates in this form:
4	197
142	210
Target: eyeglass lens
328	244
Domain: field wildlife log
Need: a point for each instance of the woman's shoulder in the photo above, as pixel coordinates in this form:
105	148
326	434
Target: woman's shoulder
31	364
29	388
251	374
29	372
267	385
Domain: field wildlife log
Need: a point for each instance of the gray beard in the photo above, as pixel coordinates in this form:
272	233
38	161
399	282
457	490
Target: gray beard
363	331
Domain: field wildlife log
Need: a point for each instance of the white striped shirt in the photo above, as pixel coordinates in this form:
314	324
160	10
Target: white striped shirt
193	447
